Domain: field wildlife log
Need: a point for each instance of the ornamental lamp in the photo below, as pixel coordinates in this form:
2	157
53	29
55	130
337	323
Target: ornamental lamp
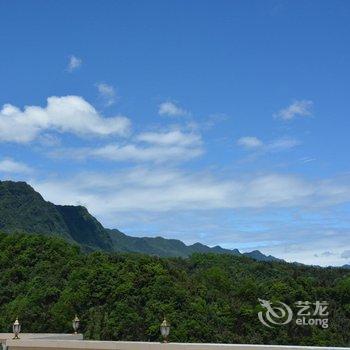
16	329
76	324
165	330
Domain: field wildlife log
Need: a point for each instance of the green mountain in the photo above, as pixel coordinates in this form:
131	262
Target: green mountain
161	246
84	228
258	255
22	209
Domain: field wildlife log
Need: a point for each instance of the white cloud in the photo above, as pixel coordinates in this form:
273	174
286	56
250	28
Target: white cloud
49	140
345	254
64	114
171	109
277	145
142	189
160	189
8	165
327	253
307	160
301	108
308	244
156	147
175	137
107	93
135	153
282	144
250	142
74	63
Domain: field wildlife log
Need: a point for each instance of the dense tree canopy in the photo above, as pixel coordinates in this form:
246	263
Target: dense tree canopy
207	297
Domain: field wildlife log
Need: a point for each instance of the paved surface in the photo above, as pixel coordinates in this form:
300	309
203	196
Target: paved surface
73	342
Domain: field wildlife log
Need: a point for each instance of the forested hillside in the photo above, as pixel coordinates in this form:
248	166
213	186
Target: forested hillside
207	297
22	209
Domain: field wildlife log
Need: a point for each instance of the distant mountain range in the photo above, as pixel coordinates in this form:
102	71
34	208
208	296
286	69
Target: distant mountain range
22	209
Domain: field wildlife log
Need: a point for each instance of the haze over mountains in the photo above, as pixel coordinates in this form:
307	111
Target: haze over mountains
22	209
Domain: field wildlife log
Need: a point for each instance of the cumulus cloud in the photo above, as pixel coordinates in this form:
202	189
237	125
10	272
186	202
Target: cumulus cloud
280	144
301	108
107	93
9	165
64	114
171	109
74	63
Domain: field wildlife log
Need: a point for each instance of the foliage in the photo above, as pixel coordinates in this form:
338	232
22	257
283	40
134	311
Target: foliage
207	297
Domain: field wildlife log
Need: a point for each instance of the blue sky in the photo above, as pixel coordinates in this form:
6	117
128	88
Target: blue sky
225	122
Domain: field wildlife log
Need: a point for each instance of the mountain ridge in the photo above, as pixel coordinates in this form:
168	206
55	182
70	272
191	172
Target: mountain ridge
22	209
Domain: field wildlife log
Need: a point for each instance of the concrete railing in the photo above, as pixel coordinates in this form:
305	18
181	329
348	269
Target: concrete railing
5	338
56	336
73	342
